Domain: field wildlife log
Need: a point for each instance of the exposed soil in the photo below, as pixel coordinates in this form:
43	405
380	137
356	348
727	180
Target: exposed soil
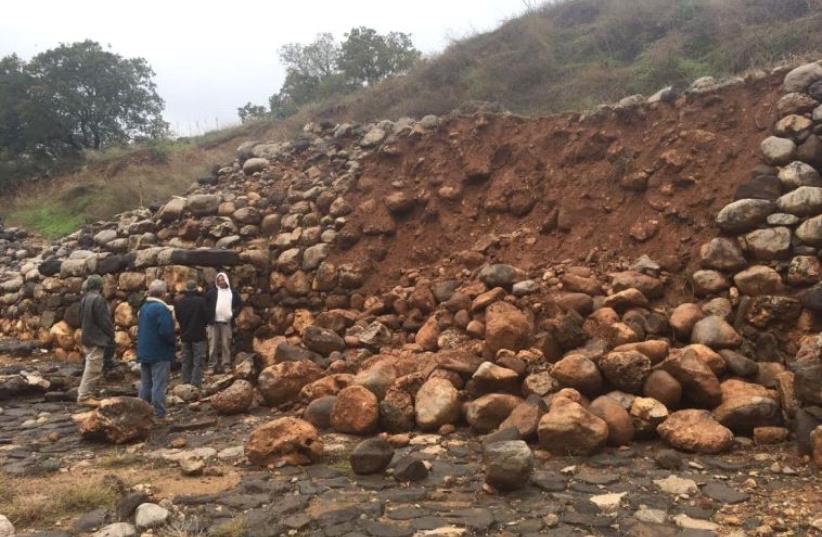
696	152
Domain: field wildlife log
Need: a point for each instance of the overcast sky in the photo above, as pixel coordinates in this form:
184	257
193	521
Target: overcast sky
214	56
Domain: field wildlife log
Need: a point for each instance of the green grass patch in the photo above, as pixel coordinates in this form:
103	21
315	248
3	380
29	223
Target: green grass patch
52	219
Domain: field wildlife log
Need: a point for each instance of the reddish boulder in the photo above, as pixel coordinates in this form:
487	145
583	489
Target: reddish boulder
578	372
281	383
235	399
356	411
696	431
569	429
284	441
698	381
117	420
506	327
620	427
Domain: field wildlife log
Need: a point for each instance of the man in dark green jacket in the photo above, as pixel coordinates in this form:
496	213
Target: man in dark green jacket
156	345
98	333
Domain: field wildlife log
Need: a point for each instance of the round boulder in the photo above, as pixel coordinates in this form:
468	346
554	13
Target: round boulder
371	456
508	465
356	411
235	399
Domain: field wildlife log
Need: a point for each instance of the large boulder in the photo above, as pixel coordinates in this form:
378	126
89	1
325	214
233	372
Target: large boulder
322	340
378	378
778	151
722	254
743	215
758	280
810	231
281	383
804	201
620	427
203	204
508	465
801	78
663	387
626	371
117	420
235	399
769	243
696	431
699	383
715	332
525	417
683	319
371	456
500	275
356	411
797	174
578	372
569	429
284	441
743	413
506	327
487	412
254	165
437	403
492	378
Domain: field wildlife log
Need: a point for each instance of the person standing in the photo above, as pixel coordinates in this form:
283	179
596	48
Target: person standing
156	344
190	310
98	334
223	305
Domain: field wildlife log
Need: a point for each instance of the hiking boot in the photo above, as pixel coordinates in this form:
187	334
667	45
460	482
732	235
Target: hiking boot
89	401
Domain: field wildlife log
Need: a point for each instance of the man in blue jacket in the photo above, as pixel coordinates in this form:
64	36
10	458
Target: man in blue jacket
156	345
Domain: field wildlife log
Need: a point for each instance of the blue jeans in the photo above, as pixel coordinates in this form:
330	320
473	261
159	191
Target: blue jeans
153	385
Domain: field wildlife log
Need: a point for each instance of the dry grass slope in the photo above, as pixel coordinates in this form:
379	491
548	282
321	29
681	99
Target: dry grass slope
569	55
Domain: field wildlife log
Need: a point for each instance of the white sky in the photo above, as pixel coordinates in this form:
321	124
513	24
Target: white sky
213	56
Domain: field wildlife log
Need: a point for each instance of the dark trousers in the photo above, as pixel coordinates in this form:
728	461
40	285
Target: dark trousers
194	356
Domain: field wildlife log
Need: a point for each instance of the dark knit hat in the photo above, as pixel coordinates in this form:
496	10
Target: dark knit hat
94	282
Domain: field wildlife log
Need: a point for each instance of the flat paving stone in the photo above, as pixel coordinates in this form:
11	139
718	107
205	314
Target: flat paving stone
723	493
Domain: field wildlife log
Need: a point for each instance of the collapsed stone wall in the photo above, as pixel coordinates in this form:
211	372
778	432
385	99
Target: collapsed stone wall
311	232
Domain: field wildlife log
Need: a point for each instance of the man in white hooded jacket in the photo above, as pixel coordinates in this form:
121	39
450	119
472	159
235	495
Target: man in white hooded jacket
222	304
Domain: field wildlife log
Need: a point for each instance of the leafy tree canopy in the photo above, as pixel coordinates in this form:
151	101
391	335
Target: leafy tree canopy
325	67
73	97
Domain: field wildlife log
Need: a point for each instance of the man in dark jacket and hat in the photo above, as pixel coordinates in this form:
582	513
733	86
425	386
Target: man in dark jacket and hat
190	310
156	344
98	334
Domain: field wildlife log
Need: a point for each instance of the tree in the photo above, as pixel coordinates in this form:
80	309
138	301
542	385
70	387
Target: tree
82	96
367	57
311	70
251	111
325	68
14	83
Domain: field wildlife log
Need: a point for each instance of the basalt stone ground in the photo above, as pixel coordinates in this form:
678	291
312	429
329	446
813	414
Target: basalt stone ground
752	490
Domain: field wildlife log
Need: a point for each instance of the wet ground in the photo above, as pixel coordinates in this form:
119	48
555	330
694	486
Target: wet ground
754	490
